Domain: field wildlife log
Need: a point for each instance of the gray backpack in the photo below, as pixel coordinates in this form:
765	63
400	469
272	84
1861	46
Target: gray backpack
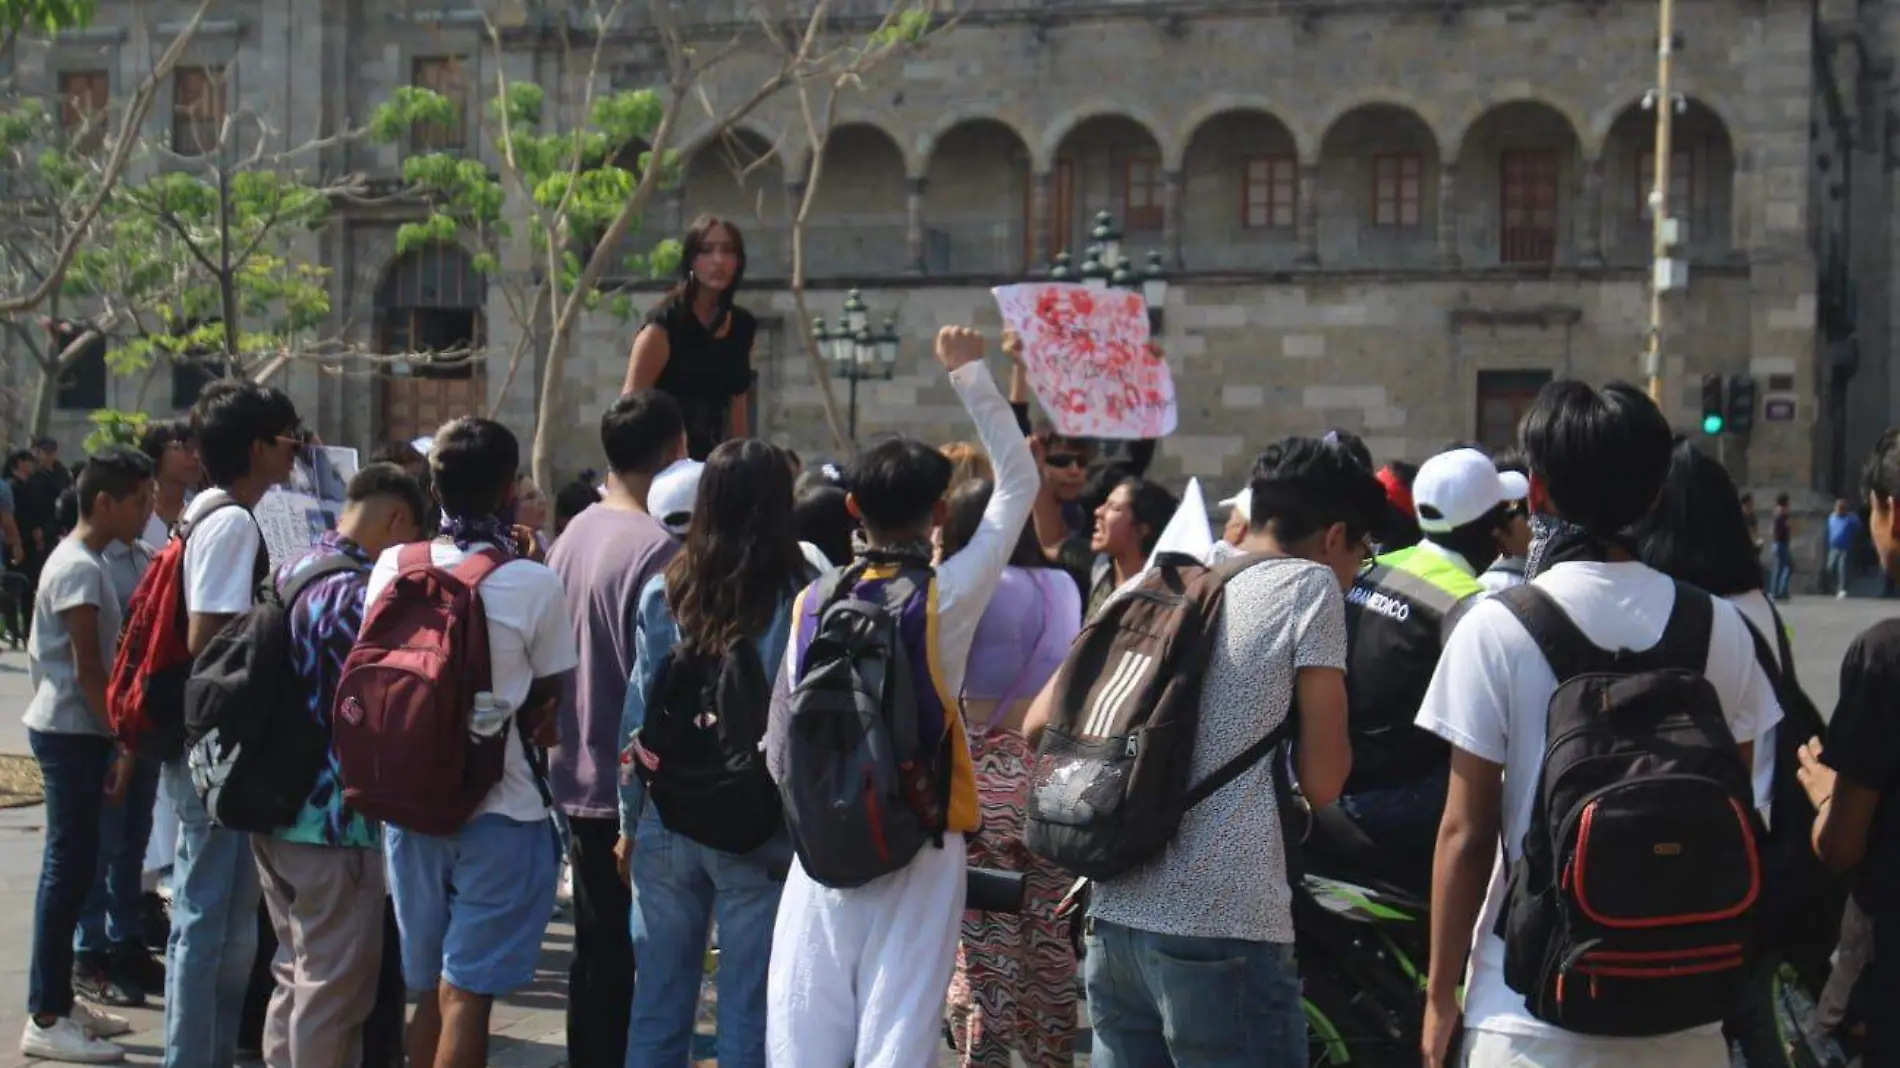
866	780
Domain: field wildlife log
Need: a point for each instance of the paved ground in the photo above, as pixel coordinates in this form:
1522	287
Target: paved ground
530	1025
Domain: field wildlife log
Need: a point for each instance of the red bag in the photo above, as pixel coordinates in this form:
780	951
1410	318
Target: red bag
401	726
145	696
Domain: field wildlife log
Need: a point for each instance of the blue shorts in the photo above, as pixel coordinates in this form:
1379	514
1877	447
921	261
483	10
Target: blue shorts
472	908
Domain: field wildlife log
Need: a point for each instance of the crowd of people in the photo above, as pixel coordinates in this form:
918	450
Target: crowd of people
861	726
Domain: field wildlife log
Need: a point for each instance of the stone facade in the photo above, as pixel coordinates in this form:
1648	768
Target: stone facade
1390	219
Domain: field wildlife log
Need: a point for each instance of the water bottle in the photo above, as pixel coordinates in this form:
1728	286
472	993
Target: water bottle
489	716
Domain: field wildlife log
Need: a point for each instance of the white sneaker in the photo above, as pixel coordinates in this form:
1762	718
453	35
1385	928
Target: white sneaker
564	893
99	1023
68	1043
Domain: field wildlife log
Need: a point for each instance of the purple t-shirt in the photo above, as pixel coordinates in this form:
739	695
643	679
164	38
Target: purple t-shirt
604	558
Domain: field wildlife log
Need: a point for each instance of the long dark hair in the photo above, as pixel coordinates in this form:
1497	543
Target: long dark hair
740	556
687	288
1697	532
967	503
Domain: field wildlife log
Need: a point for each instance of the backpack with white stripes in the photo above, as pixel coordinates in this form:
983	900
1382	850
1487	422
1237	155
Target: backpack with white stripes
1110	784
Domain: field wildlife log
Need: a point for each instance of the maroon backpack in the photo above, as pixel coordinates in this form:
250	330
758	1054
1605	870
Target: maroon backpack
403	742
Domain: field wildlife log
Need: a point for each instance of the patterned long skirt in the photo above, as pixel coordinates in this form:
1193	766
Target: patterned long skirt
1014	987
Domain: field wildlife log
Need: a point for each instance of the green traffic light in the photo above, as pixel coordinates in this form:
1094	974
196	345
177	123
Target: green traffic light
1711	424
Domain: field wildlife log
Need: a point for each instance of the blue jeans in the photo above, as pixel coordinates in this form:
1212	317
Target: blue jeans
1194	1002
679	889
1403	820
214	932
73	768
114	916
1837	568
1782	573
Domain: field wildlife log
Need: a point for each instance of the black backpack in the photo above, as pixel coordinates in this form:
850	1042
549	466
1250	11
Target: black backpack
252	746
698	750
1801	901
1633	909
865	788
1110	784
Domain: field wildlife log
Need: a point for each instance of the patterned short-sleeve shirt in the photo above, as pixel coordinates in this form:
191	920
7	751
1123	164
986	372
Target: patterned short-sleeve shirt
1224	874
323	628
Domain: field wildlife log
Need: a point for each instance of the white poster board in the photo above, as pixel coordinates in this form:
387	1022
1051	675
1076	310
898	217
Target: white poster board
1087	355
293	515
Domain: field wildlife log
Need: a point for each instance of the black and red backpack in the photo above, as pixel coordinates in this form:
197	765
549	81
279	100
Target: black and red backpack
1633	908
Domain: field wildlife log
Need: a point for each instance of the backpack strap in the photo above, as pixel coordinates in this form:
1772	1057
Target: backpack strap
1565	647
1685	638
1247	758
475	567
182	531
334	564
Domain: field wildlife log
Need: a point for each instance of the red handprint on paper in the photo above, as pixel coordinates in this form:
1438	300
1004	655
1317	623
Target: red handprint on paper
1090	361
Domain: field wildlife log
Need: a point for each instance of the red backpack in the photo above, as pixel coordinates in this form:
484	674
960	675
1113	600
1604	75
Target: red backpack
145	697
401	727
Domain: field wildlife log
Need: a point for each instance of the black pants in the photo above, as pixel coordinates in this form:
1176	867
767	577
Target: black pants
1880	993
600	981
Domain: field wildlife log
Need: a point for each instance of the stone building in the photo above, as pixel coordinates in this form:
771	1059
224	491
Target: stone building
1397	218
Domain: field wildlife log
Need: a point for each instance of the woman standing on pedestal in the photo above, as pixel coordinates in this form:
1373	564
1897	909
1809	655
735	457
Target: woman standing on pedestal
695	345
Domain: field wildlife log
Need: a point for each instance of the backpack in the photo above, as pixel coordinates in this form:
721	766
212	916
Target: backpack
1633	909
698	750
865	784
401	727
145	695
254	750
1801	900
1110	784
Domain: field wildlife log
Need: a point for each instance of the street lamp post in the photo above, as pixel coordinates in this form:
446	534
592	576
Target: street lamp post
856	352
1105	267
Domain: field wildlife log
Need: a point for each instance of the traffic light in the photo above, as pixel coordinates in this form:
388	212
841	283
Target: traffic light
1741	404
1714	417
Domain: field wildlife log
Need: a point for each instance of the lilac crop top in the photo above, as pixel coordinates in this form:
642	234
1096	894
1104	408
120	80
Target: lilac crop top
1024	634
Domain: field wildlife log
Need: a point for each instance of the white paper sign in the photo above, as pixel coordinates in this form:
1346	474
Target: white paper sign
293	515
1087	355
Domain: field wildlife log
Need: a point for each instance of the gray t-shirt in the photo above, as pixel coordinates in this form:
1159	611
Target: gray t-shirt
1224	874
74	575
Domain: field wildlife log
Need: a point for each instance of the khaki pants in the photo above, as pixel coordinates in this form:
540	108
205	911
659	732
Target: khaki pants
327	906
1493	1049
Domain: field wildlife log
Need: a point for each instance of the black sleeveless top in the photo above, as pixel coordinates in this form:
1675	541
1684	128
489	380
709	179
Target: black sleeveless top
704	373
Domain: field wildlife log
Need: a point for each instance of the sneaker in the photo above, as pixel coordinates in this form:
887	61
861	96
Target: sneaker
139	967
67	1042
99	1023
93	981
564	893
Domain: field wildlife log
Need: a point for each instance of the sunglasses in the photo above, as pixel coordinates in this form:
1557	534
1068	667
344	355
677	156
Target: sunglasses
1063	462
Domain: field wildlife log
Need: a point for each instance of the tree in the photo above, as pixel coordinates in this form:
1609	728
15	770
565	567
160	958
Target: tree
29	288
579	186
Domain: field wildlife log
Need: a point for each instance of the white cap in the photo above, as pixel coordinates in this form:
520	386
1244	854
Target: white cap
1460	486
670	498
1241	502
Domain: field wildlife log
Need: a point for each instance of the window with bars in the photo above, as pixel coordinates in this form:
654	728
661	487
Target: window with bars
1398	191
197	110
1681	182
1142	198
1270	193
1527	208
444	75
84	96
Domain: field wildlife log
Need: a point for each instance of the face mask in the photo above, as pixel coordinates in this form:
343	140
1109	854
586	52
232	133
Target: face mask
1548	533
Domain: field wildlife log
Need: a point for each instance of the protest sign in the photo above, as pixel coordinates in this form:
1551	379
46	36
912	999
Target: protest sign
1087	355
293	515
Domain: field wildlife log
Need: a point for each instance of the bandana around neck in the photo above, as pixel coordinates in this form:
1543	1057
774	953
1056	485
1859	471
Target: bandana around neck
1555	540
496	529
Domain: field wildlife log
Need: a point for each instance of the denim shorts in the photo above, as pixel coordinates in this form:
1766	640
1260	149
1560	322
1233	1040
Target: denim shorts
471	908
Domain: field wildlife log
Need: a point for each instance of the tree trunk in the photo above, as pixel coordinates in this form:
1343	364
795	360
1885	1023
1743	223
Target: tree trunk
541	458
43	392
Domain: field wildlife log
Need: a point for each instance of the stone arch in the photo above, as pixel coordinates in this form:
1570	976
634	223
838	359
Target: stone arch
1063	124
860	213
1518	188
431	299
1702	178
1427	115
976	194
1221	104
738	175
1597	133
1241	207
924	145
1379	179
1452	146
1111	162
851	126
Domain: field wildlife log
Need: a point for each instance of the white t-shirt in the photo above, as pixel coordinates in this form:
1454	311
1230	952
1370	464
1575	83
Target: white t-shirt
530	636
1755	608
220	557
1490	697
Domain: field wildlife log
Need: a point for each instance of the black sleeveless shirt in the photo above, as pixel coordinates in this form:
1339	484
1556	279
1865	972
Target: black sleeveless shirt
704	373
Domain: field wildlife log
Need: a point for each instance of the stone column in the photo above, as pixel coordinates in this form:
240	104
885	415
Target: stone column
1307	211
1173	210
1041	193
1590	215
914	225
1448	214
